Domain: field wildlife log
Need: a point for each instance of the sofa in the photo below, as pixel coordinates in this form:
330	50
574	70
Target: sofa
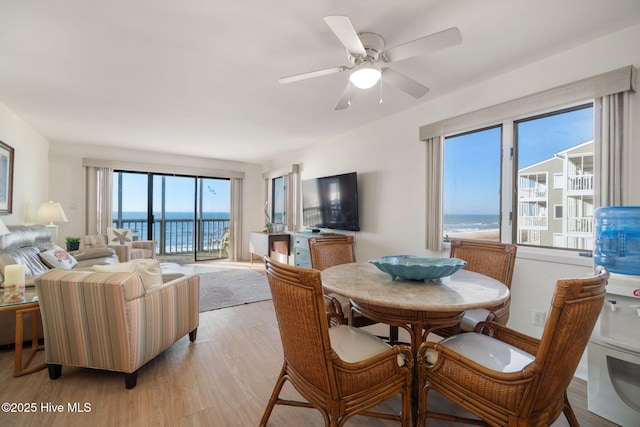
30	245
126	249
132	318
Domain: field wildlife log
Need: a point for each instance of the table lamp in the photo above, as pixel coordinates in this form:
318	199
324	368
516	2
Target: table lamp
51	212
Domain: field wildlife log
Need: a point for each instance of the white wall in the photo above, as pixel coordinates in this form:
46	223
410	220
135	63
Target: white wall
390	161
67	181
31	166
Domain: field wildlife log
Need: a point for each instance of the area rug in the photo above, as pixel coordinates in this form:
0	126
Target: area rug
231	287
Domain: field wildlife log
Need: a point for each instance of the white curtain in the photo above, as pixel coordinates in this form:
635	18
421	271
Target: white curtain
292	201
434	168
235	245
98	209
611	149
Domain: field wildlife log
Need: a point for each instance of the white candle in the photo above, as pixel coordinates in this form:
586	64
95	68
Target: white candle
14	283
14	275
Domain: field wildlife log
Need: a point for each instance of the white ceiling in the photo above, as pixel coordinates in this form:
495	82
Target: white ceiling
200	77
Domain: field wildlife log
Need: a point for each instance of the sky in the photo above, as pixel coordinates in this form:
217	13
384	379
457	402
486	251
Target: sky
472	161
179	193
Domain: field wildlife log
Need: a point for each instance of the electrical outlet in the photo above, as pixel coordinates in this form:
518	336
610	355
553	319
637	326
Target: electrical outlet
539	317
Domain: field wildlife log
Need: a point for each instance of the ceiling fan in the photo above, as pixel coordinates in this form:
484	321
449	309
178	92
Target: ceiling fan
366	50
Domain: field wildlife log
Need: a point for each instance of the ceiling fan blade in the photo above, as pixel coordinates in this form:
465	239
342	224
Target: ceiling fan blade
312	74
342	28
345	99
445	38
403	83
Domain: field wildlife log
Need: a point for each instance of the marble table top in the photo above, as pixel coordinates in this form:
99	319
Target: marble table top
365	283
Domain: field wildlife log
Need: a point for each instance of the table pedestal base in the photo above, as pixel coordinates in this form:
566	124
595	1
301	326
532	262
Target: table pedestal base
417	323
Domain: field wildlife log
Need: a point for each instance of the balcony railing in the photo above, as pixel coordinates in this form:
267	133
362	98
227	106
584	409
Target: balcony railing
532	193
580	225
533	222
580	183
177	236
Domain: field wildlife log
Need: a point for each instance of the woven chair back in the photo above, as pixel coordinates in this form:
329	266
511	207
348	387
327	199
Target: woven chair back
575	308
492	259
300	311
329	251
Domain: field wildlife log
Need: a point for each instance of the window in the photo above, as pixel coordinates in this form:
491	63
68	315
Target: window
188	216
552	202
557	212
471	194
279	197
558	180
596	112
558	144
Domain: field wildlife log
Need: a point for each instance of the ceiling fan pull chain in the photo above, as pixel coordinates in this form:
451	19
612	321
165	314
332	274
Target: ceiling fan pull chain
380	83
349	93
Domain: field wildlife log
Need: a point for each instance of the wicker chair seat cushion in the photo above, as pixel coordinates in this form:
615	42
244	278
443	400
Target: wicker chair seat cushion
487	351
472	318
355	345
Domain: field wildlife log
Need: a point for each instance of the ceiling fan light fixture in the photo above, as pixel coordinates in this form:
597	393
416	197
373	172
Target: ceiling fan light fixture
365	76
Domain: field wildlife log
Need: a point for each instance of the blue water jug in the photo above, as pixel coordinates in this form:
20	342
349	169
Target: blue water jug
617	239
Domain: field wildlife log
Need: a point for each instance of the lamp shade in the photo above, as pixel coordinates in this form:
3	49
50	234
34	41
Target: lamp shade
365	76
51	212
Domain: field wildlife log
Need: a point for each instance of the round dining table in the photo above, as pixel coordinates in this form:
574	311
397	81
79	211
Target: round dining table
417	306
372	289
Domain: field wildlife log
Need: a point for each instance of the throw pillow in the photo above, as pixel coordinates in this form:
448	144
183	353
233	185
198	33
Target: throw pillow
148	269
119	236
56	257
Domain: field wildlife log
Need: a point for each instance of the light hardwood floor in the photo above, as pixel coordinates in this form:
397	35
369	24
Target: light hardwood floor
223	379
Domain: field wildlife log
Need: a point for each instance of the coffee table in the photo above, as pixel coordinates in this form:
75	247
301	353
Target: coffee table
30	305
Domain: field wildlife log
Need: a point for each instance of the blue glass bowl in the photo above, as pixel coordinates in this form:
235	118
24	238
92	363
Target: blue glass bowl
410	267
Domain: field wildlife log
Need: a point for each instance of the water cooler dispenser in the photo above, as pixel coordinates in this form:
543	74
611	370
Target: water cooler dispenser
613	352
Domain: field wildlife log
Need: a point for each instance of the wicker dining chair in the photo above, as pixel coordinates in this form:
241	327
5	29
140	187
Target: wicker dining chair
492	259
505	377
341	371
326	252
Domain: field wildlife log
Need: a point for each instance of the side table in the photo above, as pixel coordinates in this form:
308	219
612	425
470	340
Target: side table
30	305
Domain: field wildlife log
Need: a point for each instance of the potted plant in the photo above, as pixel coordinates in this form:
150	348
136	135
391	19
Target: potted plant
73	243
269	226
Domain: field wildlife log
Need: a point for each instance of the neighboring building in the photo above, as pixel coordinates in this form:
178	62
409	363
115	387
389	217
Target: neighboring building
555	200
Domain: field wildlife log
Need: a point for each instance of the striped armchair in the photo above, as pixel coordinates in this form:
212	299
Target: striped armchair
109	321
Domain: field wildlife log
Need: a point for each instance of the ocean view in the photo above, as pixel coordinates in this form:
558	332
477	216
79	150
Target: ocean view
171	215
457	224
178	229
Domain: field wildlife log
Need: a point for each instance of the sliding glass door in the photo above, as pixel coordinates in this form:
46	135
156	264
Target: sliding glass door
213	218
174	216
189	215
131	203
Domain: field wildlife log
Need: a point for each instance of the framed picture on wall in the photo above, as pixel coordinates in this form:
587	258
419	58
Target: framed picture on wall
6	178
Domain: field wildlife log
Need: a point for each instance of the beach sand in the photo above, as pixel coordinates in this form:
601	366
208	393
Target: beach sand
492	235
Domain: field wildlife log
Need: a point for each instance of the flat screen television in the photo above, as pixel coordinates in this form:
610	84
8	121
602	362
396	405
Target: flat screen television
331	202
